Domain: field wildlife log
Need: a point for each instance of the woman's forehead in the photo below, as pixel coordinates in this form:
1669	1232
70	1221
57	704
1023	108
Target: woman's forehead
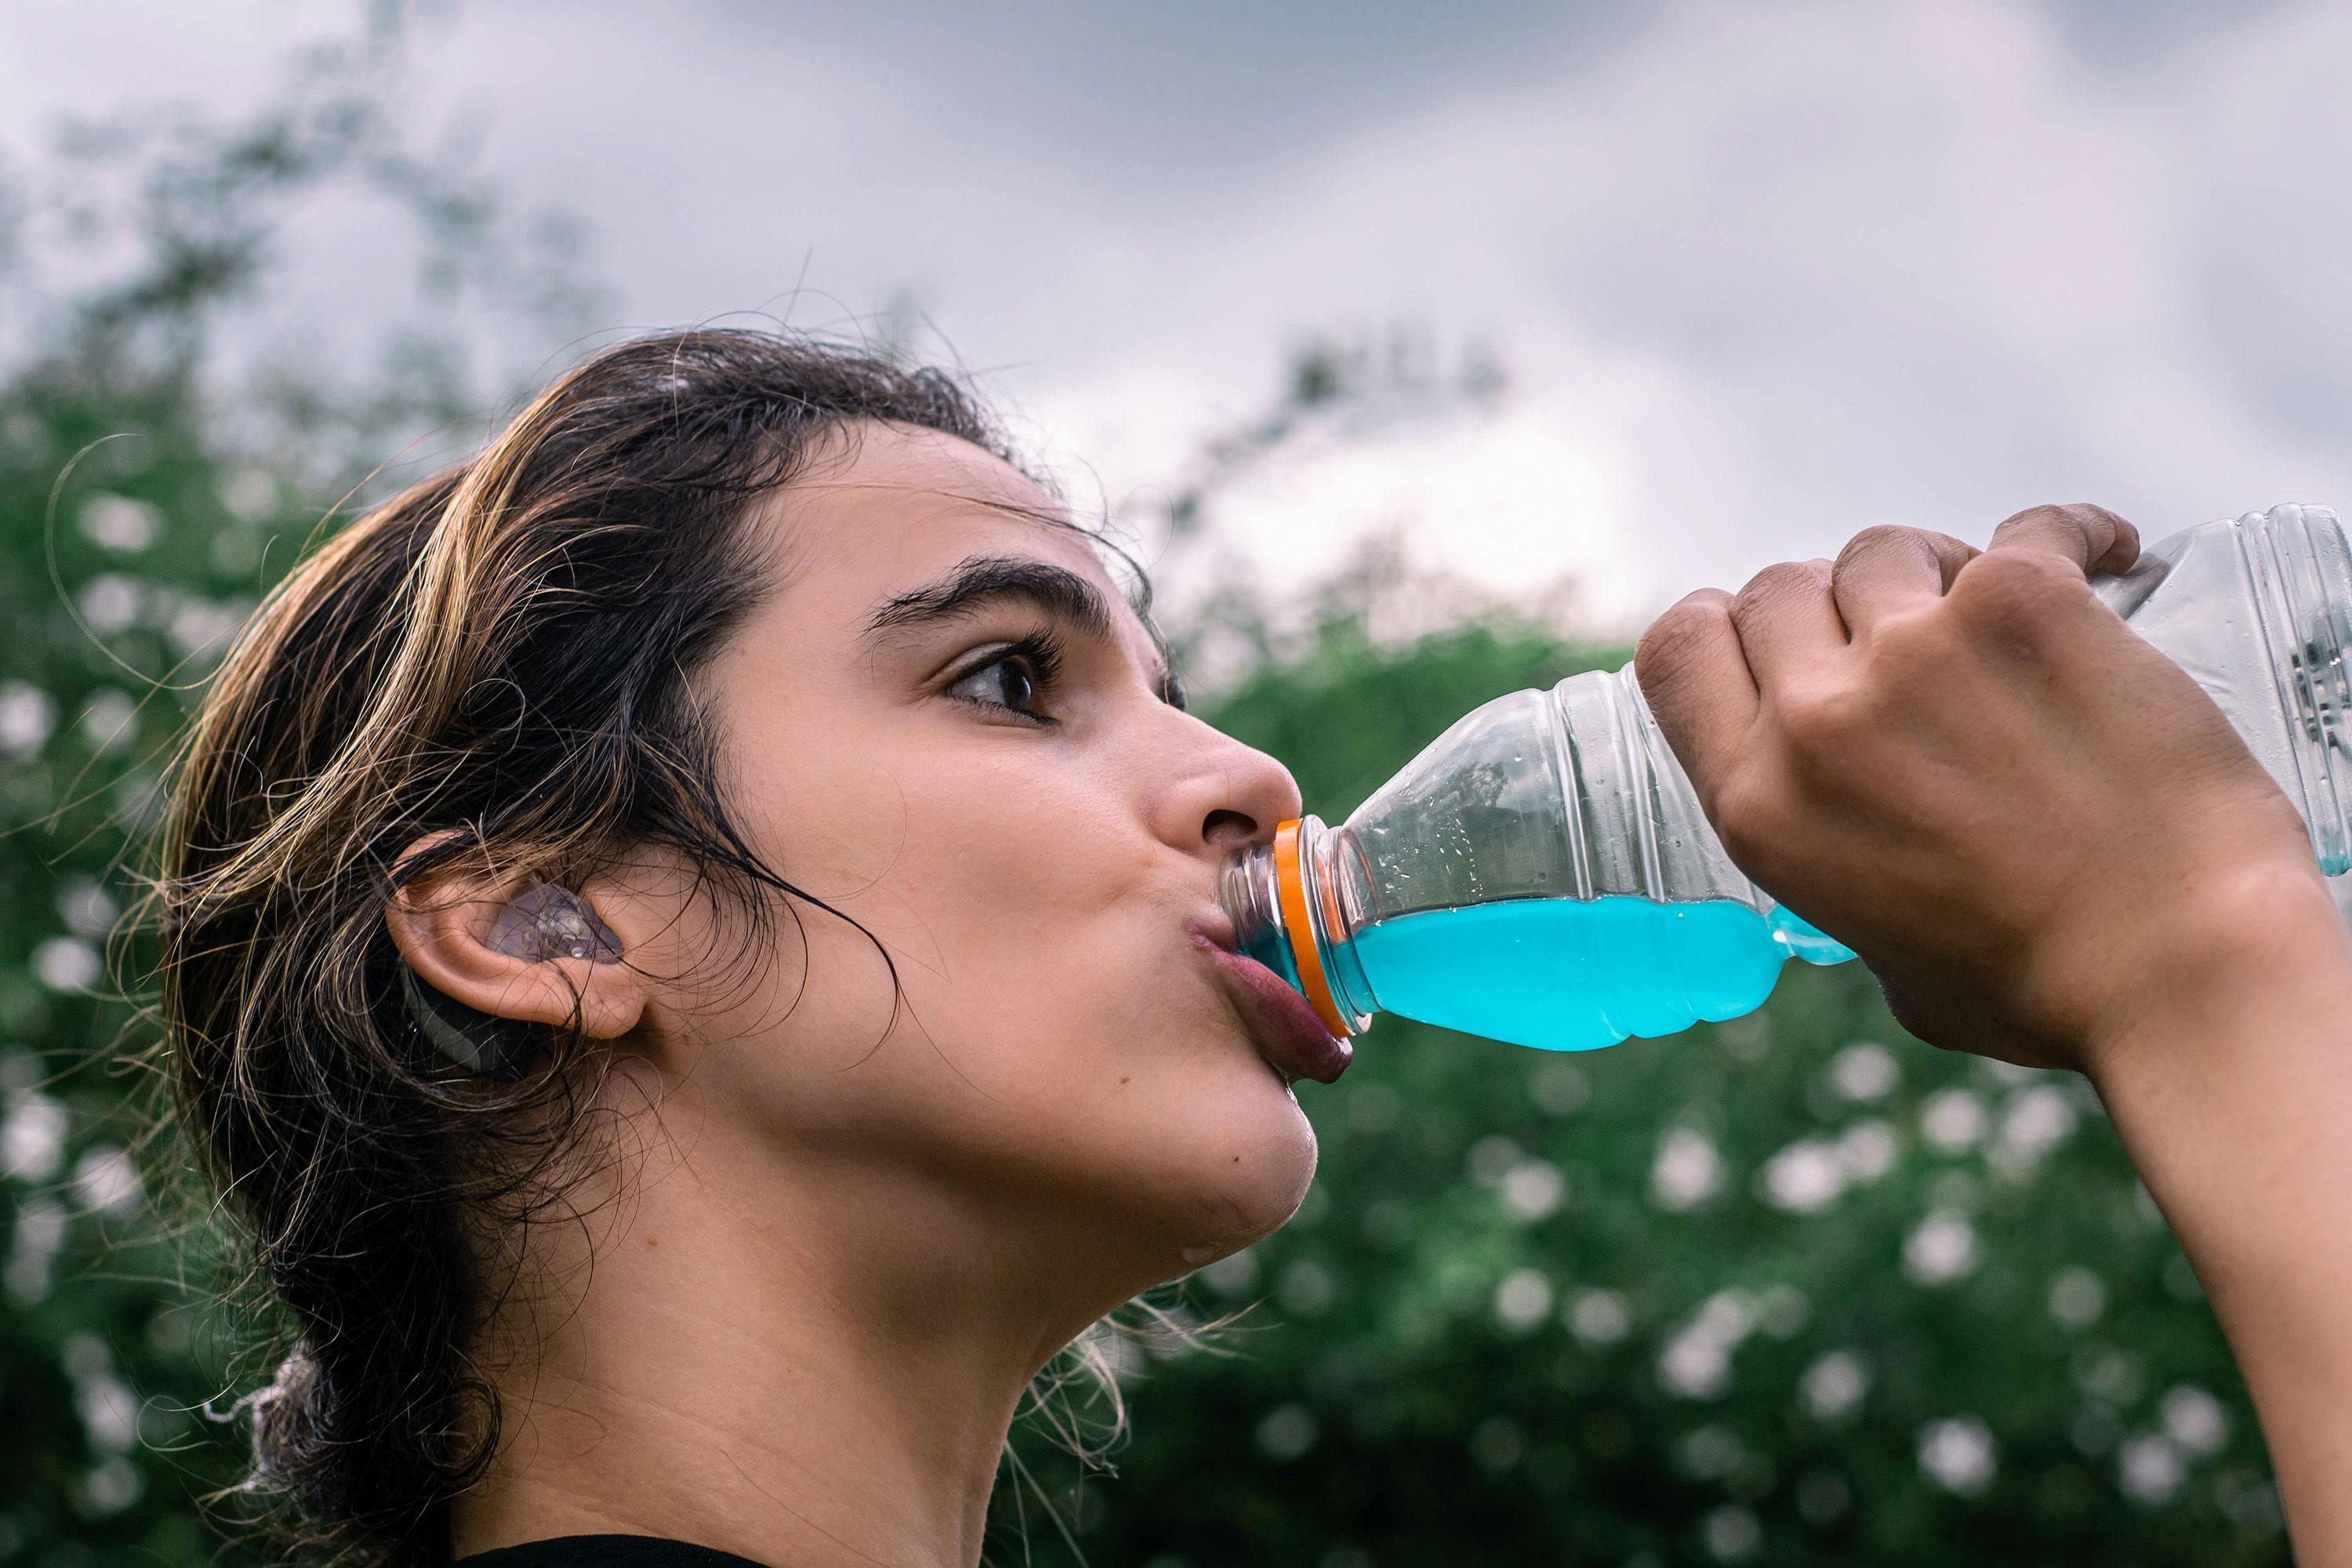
891	510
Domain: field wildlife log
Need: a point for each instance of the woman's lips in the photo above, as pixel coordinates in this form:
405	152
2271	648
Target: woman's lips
1290	1035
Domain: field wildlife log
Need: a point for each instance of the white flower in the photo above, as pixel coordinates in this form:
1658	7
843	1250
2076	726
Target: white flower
198	626
1958	1455
1866	1150
1836	1385
1687	1171
2196	1420
105	1179
1306	1289
1232	1275
1696	1363
84	1354
1534	1188
27	714
1732	1533
1286	1432
1943	1248
1523	1299
1695	1366
33	1137
2149	1469
110	602
1599	1317
109	1411
1806	1177
110	1486
2116	1376
119	522
2037	1119
40	1231
1864	1070
25	441
1561	1088
249	493
1498	1443
2076	1298
1952	1119
109	723
1729	1315
1490	1159
68	963
89	910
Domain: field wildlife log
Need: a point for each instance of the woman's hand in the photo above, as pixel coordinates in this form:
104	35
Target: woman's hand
2052	848
2029	822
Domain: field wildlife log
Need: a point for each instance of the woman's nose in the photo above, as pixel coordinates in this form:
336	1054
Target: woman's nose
1234	797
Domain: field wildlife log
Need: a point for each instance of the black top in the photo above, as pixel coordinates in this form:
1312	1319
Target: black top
605	1552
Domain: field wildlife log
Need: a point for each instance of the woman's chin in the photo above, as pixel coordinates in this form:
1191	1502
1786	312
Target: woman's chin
1256	1174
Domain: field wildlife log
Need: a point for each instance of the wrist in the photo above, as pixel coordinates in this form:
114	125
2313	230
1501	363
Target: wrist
2222	948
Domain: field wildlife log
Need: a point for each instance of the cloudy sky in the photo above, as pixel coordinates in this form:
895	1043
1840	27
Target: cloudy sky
1759	275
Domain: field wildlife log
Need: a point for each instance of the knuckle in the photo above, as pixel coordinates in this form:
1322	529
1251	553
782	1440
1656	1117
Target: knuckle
2094	523
2090	514
1679	639
1883	543
1879	538
2002	582
1780	580
2047	513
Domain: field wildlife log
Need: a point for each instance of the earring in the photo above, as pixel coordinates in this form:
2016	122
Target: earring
544	921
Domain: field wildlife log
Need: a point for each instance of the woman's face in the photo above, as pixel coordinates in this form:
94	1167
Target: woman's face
946	723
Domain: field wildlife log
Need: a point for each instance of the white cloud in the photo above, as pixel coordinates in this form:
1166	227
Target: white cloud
1764	275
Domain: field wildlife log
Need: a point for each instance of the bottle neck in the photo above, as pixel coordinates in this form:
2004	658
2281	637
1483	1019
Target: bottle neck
1286	900
1245	889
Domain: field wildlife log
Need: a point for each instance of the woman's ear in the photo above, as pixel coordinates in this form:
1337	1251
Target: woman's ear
514	948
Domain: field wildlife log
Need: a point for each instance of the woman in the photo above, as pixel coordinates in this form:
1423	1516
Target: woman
690	942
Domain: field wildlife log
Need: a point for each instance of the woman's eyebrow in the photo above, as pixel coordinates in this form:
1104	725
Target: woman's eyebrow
980	580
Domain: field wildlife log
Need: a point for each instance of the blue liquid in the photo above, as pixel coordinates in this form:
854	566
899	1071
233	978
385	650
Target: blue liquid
1572	974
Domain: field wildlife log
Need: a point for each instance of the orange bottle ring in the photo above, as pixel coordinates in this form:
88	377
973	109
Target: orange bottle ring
1290	896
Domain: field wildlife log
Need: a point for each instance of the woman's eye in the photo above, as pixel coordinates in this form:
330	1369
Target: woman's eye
1008	682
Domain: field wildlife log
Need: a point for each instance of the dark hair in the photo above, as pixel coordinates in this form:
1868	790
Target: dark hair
503	653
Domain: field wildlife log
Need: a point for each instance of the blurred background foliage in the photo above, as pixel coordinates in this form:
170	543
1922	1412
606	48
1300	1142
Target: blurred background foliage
1789	1289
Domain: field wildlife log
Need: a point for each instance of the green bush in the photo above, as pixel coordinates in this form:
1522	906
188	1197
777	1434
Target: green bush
1790	1290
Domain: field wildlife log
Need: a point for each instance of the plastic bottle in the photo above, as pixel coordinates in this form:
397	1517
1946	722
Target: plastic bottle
1542	872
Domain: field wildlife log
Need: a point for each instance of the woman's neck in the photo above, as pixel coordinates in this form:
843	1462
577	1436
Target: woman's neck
796	1366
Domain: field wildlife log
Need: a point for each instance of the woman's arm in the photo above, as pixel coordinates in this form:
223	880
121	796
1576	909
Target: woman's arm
2233	1090
2053	849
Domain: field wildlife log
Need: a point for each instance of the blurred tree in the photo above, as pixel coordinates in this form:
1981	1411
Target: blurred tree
151	486
1787	1290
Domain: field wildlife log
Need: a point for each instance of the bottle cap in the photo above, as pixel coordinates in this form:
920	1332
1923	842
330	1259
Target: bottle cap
1290	895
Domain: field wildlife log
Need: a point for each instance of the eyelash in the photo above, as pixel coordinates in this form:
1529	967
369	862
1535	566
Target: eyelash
1042	651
